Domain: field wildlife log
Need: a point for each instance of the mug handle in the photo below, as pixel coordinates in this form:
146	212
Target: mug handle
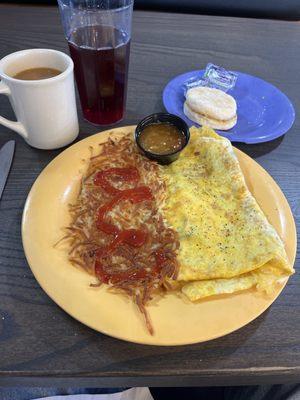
15	126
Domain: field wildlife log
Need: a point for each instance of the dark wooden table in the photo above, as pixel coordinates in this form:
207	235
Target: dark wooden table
42	345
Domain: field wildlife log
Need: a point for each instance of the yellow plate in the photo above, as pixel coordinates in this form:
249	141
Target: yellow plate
176	321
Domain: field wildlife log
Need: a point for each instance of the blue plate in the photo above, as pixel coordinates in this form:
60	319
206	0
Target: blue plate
264	112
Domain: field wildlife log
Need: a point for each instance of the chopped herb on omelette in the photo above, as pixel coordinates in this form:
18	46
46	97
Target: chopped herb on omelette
226	242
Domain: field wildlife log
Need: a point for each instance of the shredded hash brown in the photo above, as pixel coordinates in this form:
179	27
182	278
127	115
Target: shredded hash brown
85	240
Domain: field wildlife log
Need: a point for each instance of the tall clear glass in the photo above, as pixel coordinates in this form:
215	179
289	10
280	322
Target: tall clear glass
98	33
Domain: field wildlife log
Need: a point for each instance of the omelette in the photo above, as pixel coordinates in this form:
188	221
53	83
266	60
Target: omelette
226	242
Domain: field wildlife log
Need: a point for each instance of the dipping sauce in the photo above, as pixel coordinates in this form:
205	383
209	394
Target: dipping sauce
161	138
33	74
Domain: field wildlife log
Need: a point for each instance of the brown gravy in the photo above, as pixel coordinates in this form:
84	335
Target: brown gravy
161	138
33	74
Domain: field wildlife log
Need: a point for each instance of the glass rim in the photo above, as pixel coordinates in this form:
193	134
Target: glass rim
130	3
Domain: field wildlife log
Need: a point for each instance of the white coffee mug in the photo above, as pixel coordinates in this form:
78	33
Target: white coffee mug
46	108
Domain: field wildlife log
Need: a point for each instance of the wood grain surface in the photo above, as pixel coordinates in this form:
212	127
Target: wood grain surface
39	343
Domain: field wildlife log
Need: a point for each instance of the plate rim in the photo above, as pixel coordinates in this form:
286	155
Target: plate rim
143	342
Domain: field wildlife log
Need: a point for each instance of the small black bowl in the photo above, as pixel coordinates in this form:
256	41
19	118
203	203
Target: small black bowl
164	118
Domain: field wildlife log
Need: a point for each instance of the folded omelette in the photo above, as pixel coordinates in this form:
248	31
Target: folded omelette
226	241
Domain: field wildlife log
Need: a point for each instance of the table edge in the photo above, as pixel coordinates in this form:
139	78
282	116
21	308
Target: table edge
225	377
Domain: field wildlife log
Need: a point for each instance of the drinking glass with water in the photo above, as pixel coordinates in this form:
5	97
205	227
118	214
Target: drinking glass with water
98	33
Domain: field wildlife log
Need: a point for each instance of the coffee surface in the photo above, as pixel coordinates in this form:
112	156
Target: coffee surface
33	74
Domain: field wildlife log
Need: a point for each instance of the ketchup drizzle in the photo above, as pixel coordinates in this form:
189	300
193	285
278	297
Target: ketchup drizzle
131	237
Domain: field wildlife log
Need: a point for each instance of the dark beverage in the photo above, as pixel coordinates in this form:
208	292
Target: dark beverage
101	57
34	74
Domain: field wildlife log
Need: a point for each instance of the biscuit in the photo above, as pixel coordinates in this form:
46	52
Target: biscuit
211	122
211	103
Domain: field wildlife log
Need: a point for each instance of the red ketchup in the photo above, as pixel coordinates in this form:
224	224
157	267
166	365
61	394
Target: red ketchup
131	237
